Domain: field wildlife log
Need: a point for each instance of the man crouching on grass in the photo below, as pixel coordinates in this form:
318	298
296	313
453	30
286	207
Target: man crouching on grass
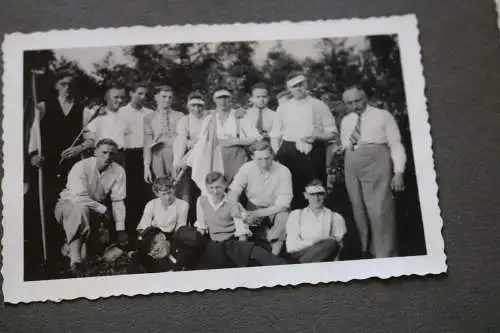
91	183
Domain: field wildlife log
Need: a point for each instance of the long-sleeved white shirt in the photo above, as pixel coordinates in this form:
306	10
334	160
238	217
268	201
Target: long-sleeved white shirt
169	219
304	228
87	186
379	127
296	119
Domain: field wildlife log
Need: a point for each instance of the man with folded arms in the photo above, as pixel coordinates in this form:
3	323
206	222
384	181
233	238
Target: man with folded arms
268	187
374	164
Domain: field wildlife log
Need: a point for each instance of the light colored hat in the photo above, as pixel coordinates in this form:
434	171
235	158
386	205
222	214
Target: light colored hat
222	93
315	189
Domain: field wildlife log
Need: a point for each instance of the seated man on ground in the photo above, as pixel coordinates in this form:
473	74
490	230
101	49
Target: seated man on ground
315	233
91	183
268	187
216	215
166	212
187	249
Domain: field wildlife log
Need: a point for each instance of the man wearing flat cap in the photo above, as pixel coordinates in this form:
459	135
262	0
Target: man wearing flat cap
301	127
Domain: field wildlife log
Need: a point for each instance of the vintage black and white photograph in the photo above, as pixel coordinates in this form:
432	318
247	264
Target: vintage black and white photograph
143	160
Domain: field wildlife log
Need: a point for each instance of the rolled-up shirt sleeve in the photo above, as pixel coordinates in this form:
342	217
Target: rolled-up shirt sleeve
147	217
294	241
119	188
277	129
393	135
285	193
239	183
338	227
200	216
327	119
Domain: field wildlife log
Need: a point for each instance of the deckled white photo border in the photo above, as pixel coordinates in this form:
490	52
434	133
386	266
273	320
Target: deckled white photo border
15	290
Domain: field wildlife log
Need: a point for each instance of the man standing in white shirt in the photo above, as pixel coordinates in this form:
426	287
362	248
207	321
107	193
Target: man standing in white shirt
374	164
268	186
259	117
110	124
302	126
91	183
133	113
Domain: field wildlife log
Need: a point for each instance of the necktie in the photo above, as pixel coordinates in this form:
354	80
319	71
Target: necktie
166	122
356	133
260	121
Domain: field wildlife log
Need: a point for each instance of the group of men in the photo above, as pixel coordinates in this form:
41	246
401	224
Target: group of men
79	186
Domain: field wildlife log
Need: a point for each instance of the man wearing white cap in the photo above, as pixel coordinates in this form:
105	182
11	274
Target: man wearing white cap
302	126
188	131
315	233
222	143
374	163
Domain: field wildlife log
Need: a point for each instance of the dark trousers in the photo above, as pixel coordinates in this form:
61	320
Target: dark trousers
138	191
188	191
304	168
324	250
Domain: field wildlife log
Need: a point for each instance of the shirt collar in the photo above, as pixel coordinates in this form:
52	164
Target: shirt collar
309	210
217	206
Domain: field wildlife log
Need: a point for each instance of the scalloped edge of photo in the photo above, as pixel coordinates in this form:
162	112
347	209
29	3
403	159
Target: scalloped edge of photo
16	290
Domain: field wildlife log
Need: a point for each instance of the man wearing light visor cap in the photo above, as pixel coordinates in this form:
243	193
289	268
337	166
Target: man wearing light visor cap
223	141
302	126
315	233
188	131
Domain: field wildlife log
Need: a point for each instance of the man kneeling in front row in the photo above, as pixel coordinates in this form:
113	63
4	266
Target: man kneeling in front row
315	233
91	182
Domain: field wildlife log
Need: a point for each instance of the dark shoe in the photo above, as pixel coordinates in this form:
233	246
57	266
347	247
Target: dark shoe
366	255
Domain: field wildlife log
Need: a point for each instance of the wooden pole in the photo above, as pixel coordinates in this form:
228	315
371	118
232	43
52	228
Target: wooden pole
40	169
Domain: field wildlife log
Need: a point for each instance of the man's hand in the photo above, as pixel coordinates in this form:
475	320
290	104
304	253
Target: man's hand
178	166
71	152
37	161
397	183
148	177
309	139
252	219
202	231
121	238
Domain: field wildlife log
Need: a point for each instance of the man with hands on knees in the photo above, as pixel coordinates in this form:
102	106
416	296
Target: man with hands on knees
91	183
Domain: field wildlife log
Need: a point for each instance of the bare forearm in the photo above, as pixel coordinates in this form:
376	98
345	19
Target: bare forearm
119	214
326	136
275	209
275	144
235	142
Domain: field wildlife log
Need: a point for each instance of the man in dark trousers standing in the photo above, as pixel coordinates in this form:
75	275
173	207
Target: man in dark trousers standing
301	127
62	119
